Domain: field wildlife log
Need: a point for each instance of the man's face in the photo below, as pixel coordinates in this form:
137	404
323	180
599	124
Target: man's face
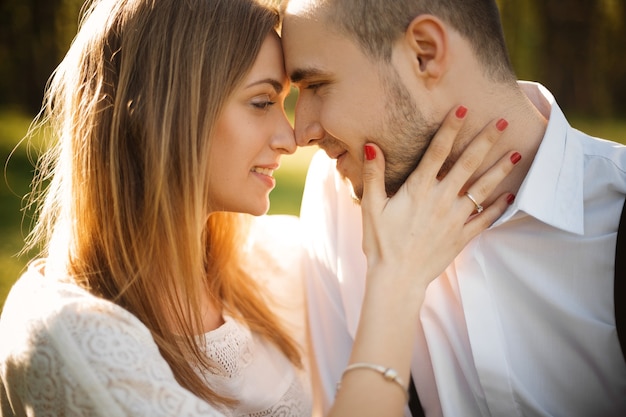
347	100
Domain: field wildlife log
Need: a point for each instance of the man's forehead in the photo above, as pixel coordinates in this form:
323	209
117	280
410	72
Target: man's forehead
306	47
302	7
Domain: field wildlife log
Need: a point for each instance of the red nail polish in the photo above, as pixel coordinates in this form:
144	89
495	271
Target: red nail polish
370	152
510	199
502	124
516	157
461	111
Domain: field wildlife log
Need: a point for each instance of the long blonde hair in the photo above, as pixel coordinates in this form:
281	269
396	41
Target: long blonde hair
133	107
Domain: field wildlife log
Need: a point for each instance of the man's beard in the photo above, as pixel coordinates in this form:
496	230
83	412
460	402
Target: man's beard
405	134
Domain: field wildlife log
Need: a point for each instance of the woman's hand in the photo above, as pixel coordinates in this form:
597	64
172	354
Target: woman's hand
428	221
409	239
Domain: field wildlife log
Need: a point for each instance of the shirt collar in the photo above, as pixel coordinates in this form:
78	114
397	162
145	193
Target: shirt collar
552	191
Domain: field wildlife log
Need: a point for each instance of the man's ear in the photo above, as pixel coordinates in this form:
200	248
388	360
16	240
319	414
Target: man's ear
427	39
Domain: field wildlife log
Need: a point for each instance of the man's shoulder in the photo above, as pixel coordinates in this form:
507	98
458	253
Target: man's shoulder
602	156
597	146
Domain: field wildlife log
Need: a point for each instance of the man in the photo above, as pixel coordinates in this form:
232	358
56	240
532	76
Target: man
522	322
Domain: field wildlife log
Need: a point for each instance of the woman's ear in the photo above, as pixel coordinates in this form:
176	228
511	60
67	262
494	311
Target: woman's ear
427	39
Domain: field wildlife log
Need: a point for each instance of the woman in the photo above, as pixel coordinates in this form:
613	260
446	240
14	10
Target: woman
169	120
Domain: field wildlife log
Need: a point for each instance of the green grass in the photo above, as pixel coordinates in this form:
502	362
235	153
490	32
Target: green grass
17	171
284	199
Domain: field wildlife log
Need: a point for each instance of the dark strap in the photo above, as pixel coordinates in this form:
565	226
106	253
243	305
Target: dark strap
414	401
620	282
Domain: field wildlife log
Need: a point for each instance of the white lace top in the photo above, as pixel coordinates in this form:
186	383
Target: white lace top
252	370
65	352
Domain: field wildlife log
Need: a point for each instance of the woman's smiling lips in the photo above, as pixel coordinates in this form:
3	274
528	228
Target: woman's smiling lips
265	174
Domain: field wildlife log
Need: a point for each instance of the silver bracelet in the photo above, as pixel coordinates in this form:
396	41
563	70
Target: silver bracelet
389	374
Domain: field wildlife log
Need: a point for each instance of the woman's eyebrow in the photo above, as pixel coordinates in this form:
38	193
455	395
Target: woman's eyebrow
277	85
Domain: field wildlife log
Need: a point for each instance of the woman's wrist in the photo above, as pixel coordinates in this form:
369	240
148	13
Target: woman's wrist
396	284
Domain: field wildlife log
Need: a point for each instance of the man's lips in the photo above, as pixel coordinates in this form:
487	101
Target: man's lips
340	163
332	154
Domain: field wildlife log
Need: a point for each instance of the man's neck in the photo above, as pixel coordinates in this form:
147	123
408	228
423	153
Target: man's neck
527	113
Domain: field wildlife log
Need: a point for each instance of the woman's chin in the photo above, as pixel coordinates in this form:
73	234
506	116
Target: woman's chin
260	210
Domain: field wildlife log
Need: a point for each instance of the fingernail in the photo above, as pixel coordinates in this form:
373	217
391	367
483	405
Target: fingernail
502	124
461	111
370	152
516	157
510	199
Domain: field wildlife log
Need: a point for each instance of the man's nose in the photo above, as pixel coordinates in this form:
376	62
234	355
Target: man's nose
307	126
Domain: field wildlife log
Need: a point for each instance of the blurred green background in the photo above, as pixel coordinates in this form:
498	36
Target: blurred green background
574	47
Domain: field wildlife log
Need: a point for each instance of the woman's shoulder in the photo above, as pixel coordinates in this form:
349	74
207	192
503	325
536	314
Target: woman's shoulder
65	349
42	313
39	302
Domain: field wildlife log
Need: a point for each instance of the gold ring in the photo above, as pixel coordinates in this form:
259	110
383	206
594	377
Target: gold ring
479	208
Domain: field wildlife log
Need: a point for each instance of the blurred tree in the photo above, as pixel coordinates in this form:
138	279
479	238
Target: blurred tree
573	47
613	42
568	38
34	36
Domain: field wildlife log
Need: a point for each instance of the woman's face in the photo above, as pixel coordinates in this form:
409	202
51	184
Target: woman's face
251	135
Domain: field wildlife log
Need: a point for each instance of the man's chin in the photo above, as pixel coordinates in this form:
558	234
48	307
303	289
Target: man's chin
356	196
356	192
391	187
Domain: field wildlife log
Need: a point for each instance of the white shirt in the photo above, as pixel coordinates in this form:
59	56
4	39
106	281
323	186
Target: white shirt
66	352
522	322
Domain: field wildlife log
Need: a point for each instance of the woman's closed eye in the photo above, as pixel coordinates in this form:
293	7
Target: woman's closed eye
262	102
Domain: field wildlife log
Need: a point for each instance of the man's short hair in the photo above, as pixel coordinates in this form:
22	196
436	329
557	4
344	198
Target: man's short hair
376	24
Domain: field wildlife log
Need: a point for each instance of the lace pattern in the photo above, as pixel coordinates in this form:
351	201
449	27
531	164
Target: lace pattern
64	352
242	360
67	353
229	349
291	405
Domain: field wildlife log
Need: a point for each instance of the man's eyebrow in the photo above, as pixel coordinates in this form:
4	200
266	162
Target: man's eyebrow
276	85
302	74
